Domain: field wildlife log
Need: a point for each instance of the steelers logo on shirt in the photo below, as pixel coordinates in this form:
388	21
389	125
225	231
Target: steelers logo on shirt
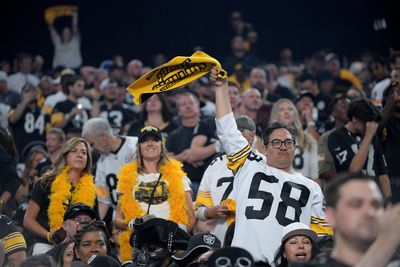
144	191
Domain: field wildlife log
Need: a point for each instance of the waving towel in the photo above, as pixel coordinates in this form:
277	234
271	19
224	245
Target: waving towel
175	73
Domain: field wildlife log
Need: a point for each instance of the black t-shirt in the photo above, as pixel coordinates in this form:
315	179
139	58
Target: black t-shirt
343	145
9	180
40	194
117	115
31	127
322	102
181	139
65	107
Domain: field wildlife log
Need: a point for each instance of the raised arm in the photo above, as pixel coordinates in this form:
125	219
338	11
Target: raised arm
75	28
223	106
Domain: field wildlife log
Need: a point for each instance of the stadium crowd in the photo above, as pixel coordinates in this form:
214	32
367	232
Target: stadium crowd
278	164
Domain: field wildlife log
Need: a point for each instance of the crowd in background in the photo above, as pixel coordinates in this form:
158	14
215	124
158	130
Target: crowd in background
346	117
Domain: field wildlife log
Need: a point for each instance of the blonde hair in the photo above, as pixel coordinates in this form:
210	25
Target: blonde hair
303	140
161	161
61	161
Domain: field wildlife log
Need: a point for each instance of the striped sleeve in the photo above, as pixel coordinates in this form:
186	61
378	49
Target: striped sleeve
318	221
14	242
235	145
320	226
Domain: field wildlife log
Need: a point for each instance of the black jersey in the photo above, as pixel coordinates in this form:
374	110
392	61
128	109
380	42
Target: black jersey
343	145
13	240
65	107
30	127
118	116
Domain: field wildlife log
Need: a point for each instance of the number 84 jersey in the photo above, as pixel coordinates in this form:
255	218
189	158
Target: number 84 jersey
267	199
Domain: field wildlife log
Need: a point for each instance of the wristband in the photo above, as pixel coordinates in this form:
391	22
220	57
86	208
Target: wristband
311	123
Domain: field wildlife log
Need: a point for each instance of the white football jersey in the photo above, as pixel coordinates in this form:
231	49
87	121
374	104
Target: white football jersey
108	167
267	199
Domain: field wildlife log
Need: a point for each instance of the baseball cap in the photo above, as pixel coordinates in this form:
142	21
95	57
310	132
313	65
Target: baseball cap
305	94
145	131
298	228
230	256
243	122
77	209
107	83
103	261
3	76
198	244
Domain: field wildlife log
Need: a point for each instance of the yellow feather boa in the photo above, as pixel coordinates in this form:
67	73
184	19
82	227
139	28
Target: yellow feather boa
60	194
171	173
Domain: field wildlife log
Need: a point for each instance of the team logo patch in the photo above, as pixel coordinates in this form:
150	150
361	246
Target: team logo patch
209	239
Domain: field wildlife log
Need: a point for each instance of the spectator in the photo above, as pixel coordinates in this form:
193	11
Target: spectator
234	95
55	138
111	110
180	141
344	79
231	256
380	72
152	184
45	211
308	114
115	151
133	70
28	123
279	141
155	111
9	180
308	83
217	184
64	254
7	96
355	146
90	240
67	52
239	25
250	102
23	76
41	260
298	245
239	55
13	241
326	164
70	113
389	134
306	152
356	226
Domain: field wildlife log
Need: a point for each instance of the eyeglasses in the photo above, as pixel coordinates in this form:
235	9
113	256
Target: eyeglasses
277	144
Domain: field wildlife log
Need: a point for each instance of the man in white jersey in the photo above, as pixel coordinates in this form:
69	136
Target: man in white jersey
217	184
268	197
115	152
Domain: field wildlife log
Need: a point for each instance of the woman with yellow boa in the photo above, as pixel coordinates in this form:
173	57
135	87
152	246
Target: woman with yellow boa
152	184
67	183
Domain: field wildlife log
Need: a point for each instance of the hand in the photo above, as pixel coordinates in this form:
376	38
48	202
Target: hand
370	128
306	114
75	111
218	211
215	80
390	223
29	96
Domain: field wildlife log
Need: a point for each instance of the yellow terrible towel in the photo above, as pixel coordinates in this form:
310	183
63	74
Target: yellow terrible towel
51	13
175	73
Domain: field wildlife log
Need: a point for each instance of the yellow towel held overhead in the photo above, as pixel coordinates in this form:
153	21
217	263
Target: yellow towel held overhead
175	73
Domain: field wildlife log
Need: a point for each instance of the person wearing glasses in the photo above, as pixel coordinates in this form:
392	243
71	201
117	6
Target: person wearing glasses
152	184
306	150
67	183
269	194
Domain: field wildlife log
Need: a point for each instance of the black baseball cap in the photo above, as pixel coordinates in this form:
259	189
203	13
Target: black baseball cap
79	208
306	94
147	130
198	244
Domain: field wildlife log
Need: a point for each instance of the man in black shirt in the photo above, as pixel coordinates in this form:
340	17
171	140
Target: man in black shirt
354	208
355	147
